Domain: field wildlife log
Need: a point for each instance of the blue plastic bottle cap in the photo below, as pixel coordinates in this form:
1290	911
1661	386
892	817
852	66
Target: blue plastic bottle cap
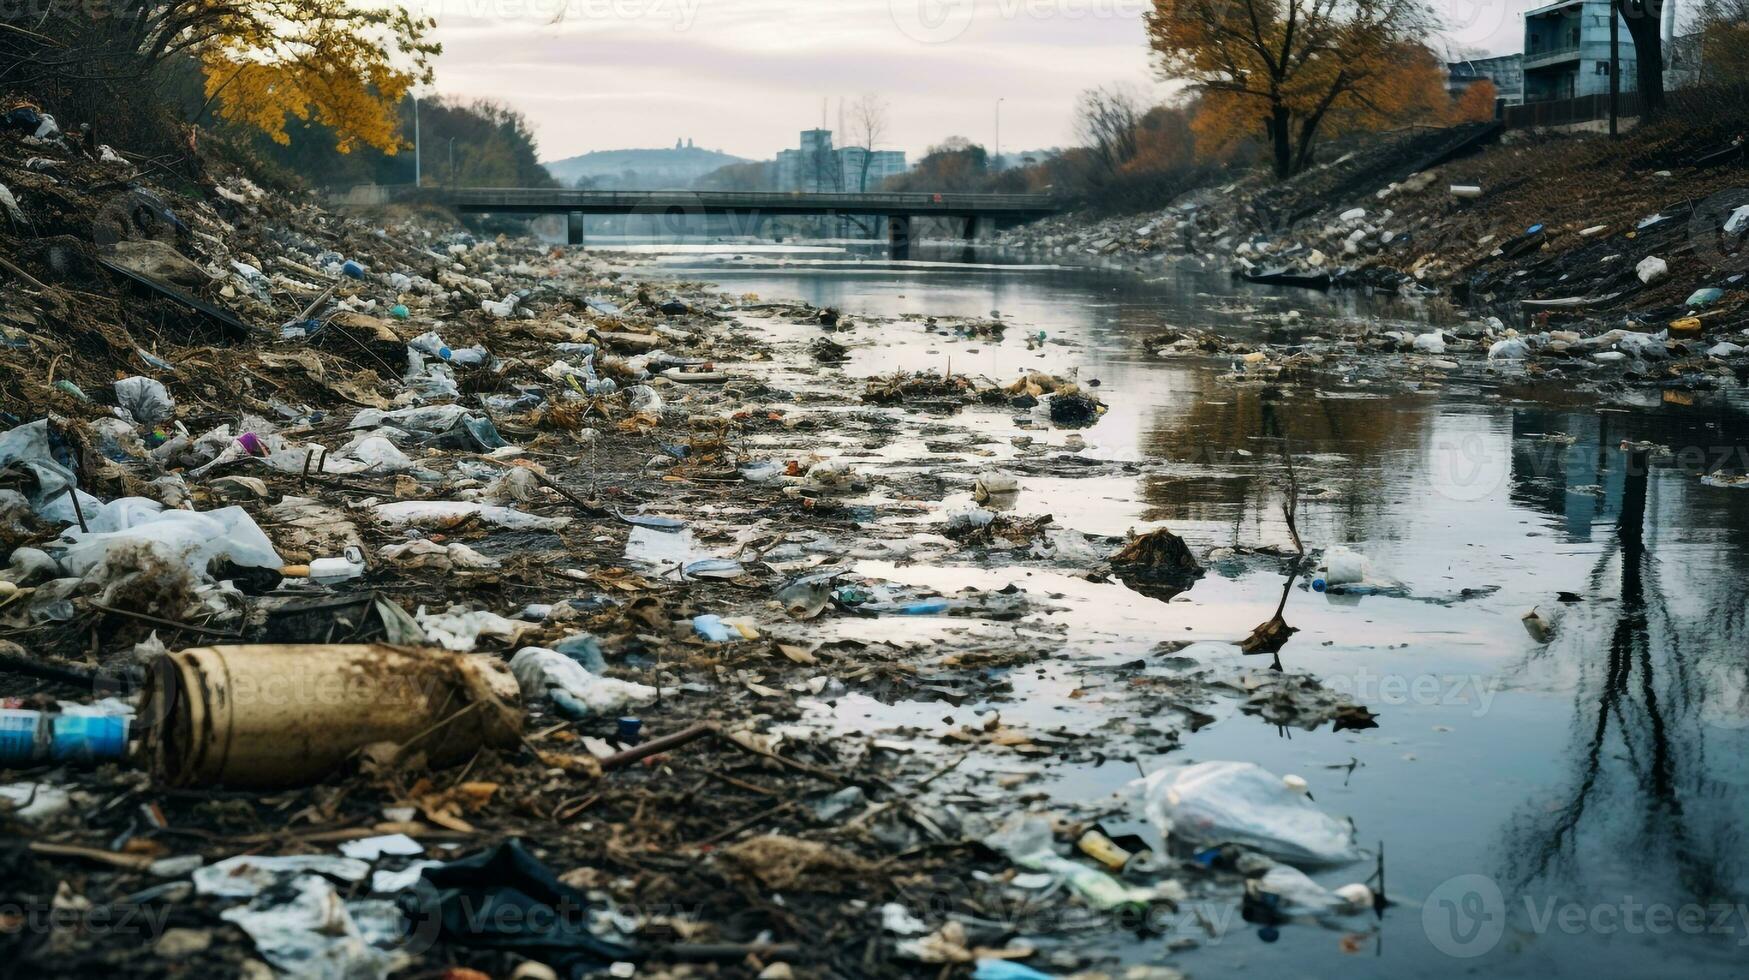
19	731
1318	585
444	352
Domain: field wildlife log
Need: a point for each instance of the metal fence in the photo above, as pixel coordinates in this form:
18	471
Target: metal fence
1566	112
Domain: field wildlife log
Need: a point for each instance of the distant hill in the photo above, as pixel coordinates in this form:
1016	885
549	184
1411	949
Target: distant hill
663	169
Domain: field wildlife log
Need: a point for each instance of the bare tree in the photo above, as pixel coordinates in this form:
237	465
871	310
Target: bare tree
868	128
1290	63
1106	121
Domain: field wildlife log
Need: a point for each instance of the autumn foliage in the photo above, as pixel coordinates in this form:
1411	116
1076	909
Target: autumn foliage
266	63
1295	70
1475	103
326	60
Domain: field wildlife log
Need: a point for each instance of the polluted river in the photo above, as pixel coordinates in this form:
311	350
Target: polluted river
476	606
1549	644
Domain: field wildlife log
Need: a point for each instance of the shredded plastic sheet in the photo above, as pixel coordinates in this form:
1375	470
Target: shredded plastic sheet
248	875
315	935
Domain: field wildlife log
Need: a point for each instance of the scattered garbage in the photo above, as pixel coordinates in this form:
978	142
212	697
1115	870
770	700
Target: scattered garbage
1029	843
402	482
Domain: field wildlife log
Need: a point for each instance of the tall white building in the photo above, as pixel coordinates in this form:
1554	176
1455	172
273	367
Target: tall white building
816	167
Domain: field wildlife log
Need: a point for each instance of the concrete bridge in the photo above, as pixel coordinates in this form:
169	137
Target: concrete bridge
1001	210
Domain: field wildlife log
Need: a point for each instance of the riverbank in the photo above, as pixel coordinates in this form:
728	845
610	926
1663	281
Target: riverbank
791	522
1548	239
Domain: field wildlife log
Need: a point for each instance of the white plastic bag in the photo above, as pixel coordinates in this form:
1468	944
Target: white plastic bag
184	536
1243	803
1345	566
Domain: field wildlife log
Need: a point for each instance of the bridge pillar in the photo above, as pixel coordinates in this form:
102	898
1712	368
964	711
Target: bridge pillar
971	229
574	228
899	235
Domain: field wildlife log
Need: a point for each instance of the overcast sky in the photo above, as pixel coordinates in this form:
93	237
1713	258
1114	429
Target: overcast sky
744	76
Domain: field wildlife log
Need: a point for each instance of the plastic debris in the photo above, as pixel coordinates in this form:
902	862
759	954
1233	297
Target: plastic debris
1241	803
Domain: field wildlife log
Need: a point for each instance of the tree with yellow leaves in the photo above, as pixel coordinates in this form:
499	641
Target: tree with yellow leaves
266	62
322	59
1294	67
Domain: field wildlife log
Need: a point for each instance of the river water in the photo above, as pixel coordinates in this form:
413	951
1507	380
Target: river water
1569	808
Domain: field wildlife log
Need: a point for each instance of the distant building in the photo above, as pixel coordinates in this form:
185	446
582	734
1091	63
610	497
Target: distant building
1566	51
881	165
1506	72
816	167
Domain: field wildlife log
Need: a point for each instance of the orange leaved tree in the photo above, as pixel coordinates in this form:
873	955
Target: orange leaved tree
342	64
1291	67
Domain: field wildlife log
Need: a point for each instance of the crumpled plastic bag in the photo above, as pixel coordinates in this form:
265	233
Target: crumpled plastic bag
196	539
29	447
547	674
504	899
1242	803
308	931
143	400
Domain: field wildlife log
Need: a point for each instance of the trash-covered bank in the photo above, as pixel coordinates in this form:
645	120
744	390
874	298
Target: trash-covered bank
1563	242
382	598
502	612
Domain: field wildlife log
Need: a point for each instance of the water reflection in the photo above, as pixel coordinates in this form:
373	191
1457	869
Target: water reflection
1661	680
1621	768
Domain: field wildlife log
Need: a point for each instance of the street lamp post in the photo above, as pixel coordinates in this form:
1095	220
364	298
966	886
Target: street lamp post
418	178
999	134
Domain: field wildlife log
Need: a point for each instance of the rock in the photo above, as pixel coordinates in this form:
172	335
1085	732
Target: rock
1651	267
178	943
1430	343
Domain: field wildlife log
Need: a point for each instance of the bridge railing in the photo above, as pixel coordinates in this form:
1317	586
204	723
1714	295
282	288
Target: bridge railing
512	196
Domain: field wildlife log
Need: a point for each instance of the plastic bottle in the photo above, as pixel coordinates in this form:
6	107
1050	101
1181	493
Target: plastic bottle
30	738
329	571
